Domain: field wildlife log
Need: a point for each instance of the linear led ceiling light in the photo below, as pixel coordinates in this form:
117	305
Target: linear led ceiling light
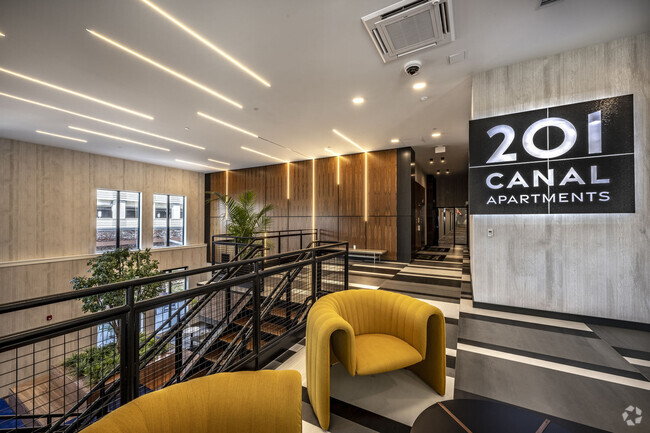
236	128
218	162
327	149
347	139
263	154
72	92
101	134
165	68
200	165
2	35
206	42
51	107
61	136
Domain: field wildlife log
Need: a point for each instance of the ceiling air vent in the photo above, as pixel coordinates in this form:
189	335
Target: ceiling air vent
543	3
410	26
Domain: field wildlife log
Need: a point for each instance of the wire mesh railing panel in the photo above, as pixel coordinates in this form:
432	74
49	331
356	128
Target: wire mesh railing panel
53	381
66	376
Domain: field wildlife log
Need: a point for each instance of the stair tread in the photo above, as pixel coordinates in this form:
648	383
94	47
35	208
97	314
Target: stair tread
268	327
229	337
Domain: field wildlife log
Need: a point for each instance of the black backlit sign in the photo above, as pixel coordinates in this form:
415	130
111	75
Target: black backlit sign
576	158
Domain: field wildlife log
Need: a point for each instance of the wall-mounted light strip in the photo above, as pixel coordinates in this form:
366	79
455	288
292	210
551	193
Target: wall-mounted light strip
51	107
313	194
101	134
218	162
236	128
227	192
79	94
200	165
288	184
61	136
338	170
365	187
347	139
165	68
206	42
263	154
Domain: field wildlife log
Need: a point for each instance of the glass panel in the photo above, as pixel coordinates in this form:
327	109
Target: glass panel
163	313
106	220
159	220
129	219
460	226
105	335
176	220
445	226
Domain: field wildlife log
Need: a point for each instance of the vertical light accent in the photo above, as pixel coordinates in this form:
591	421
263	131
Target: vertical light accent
338	170
288	185
365	188
227	171
313	194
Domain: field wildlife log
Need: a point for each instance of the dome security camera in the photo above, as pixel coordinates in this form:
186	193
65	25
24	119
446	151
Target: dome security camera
413	67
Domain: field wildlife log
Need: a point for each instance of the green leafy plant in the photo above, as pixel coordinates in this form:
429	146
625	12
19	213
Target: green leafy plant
112	267
95	363
243	221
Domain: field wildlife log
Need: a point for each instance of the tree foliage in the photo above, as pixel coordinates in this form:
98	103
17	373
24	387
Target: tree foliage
112	267
241	217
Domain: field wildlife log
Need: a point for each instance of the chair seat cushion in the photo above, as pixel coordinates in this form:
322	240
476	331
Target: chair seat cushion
379	353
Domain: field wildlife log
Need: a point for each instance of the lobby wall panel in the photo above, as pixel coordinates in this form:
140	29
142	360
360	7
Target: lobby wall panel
595	265
382	183
256	181
351	202
353	230
382	235
301	190
329	228
236	182
276	189
48	211
326	188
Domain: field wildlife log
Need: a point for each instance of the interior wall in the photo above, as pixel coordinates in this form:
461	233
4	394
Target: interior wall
48	212
337	210
451	190
594	265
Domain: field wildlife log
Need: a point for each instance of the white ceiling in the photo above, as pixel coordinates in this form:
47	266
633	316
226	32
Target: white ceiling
316	55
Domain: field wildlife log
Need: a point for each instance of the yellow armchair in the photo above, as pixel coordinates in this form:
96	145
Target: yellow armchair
243	402
369	332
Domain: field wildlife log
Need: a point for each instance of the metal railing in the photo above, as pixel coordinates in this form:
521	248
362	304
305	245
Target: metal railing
224	247
64	376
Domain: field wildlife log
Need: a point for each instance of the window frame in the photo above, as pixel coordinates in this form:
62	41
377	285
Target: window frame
168	219
117	219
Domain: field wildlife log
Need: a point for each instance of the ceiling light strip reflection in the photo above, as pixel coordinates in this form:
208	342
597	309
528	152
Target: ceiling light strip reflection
263	154
200	165
165	68
347	139
75	93
101	134
51	107
206	42
236	128
61	136
218	162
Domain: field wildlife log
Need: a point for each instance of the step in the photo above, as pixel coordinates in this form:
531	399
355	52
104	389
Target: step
229	337
214	355
268	327
280	312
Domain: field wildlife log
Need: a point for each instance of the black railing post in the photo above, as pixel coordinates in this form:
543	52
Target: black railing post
314	271
346	274
178	353
129	349
257	287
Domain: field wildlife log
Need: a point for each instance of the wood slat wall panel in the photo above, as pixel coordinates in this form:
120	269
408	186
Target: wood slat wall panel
382	183
326	188
351	201
276	189
236	182
256	181
353	230
301	189
329	227
381	235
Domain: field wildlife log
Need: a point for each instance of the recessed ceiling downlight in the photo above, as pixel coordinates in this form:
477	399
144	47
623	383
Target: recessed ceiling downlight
358	100
419	86
394	140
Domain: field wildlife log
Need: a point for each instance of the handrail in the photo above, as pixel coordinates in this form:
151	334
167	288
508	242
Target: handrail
98	290
124	380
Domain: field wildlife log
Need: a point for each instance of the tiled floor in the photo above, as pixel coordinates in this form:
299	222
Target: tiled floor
581	373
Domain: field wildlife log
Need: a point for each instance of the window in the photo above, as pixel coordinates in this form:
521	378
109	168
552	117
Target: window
168	220
118	226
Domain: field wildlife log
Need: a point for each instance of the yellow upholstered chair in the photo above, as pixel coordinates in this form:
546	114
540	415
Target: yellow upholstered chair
369	332
244	402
